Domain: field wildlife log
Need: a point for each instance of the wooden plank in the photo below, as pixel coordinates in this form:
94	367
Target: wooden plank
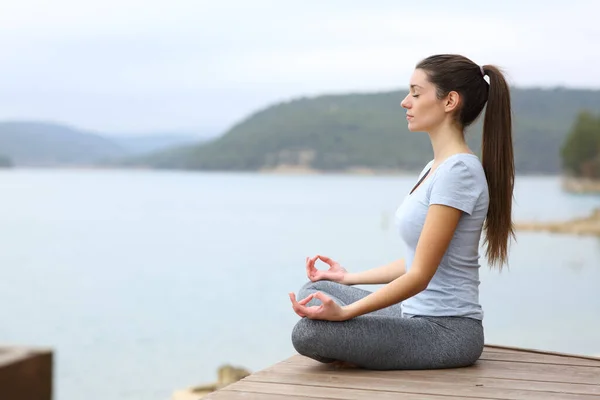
544	372
235	395
491	369
512	349
314	392
503	349
538	359
355	381
445	376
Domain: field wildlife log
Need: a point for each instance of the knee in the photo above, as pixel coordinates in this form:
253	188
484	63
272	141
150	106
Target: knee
318	286
472	348
304	337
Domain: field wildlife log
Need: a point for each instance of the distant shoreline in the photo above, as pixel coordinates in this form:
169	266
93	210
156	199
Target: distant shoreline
280	170
581	185
587	226
302	170
568	184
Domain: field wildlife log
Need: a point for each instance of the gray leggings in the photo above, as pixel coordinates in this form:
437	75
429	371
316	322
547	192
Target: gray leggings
384	339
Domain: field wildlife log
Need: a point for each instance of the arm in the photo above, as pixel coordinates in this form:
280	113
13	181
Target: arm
384	274
454	191
438	230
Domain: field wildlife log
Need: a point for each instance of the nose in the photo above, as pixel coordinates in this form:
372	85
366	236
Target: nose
406	102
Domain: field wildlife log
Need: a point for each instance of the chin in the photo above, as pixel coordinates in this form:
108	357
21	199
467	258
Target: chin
413	127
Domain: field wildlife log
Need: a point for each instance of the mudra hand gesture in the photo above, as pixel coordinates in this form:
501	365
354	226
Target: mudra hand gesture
335	273
328	310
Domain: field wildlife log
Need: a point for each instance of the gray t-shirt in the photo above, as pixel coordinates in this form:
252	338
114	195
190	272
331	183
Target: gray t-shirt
459	182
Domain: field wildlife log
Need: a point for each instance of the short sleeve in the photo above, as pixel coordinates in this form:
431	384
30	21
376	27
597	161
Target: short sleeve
455	186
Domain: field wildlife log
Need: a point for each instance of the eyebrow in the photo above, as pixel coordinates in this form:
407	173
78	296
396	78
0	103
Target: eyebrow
414	86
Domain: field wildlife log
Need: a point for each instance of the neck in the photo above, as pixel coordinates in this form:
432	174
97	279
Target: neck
446	141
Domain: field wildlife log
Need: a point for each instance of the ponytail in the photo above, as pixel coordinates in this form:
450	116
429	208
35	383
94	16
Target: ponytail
498	164
453	72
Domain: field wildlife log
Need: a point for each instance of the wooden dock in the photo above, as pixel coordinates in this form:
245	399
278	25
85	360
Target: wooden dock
26	373
501	373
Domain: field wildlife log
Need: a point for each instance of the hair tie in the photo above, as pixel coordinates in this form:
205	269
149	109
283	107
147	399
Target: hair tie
482	71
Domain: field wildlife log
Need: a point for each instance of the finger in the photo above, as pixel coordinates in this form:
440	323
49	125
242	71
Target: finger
313	259
323	297
298	312
326	260
295	305
300	305
311	271
292	297
312	312
310	263
306	299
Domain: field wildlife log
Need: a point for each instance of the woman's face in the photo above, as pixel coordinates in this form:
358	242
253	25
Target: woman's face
424	111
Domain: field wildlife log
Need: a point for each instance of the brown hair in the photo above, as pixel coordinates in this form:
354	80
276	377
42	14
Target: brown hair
450	72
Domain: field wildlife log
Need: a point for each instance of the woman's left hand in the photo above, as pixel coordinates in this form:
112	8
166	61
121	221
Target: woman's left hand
328	310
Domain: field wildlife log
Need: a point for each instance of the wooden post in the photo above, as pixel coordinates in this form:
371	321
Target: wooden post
25	373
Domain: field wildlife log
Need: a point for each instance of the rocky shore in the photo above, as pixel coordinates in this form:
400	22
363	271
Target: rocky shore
589	225
581	185
227	375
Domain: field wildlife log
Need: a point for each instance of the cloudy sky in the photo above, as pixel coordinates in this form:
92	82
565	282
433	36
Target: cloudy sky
135	66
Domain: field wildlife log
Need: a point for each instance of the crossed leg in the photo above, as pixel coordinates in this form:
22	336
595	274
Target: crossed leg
384	339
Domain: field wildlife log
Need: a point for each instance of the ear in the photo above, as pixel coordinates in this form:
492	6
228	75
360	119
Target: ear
452	102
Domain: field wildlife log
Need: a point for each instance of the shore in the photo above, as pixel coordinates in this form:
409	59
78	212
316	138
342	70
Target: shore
227	374
305	170
589	225
581	185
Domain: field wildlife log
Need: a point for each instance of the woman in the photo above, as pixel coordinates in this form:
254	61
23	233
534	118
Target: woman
428	313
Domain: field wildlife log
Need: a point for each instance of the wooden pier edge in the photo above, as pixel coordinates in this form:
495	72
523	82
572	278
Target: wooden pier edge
502	373
539	351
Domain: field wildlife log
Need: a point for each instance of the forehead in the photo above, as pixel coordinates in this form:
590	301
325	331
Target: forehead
419	79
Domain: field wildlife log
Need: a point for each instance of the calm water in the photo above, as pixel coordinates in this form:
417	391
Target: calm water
146	282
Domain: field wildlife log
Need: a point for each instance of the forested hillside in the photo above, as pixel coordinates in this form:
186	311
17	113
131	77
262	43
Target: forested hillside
339	132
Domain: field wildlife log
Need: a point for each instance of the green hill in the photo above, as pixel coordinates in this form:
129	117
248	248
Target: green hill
28	143
46	144
340	132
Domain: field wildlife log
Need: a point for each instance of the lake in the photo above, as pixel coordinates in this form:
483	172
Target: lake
144	282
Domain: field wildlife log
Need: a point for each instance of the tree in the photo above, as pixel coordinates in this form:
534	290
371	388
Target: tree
581	149
5	162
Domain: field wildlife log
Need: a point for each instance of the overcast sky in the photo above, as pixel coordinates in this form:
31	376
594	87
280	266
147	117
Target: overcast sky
134	66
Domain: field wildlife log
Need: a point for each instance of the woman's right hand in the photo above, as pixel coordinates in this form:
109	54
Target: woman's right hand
335	273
